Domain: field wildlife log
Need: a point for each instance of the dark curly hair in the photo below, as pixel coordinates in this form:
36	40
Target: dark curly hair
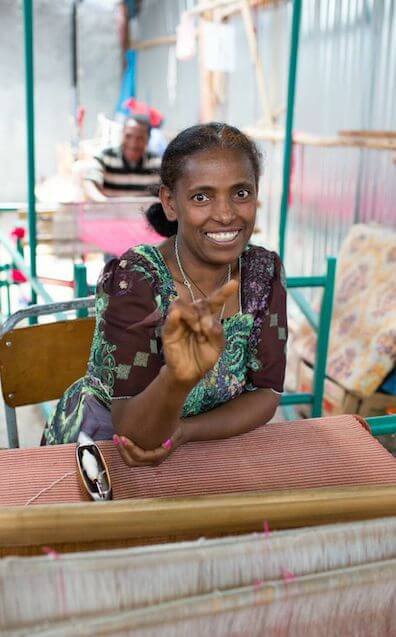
193	140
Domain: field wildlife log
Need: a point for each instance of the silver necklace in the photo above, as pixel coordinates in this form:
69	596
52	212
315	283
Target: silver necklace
187	282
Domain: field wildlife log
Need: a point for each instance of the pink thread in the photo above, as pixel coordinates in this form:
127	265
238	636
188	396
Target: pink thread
288	576
51	552
257	584
267	531
60	575
35	497
168	444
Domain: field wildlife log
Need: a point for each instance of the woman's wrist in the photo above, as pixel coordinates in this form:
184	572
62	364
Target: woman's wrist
174	384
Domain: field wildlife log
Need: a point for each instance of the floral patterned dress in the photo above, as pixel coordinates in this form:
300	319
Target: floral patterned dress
132	302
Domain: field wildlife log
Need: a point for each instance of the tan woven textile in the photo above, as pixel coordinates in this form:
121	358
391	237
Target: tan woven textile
362	348
335	451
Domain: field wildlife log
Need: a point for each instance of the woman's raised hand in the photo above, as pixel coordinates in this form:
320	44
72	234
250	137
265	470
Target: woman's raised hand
193	337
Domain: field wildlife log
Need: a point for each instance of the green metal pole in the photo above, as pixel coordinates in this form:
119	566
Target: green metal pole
8	297
323	338
382	425
80	285
287	151
29	91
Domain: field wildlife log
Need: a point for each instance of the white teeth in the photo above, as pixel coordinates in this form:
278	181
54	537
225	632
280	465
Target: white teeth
222	237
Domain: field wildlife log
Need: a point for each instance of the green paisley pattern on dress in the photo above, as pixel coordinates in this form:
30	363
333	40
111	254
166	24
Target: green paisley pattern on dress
225	381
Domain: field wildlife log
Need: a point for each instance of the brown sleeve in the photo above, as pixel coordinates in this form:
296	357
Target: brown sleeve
271	350
131	327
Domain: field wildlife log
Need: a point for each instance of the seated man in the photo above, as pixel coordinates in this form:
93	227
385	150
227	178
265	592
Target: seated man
126	171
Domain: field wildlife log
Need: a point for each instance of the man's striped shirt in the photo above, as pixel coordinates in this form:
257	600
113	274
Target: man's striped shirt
115	176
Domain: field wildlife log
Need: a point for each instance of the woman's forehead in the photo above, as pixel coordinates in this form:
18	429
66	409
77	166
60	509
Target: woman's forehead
217	165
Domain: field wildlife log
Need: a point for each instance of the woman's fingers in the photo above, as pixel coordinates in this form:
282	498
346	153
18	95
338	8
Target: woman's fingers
134	456
180	315
199	317
220	296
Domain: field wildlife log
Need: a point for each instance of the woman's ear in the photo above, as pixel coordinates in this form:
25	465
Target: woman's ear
168	203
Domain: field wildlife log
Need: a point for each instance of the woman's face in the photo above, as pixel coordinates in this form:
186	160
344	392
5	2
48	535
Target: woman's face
214	203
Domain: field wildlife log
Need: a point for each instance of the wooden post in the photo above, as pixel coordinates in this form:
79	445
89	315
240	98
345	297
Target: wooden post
268	116
207	111
142	521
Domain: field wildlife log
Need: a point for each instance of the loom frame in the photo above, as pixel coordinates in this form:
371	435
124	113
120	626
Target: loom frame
76	527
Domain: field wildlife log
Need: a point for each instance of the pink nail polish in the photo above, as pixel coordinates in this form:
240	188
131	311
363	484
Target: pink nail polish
168	444
116	440
124	441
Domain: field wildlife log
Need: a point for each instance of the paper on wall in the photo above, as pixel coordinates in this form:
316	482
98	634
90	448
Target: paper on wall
186	37
218	47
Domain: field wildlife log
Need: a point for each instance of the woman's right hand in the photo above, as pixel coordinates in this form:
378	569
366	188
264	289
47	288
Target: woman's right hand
193	337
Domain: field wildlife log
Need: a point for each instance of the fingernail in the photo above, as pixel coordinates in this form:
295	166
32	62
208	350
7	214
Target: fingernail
124	441
116	440
167	444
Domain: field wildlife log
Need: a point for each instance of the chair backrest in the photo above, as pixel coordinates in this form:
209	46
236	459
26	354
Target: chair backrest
37	363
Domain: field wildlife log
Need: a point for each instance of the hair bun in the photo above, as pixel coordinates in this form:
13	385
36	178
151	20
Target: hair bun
156	217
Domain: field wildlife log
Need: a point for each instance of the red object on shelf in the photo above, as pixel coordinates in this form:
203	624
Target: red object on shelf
80	116
17	276
18	233
141	108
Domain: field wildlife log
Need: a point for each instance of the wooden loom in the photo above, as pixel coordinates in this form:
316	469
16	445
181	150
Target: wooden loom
290	583
78	527
216	587
317	471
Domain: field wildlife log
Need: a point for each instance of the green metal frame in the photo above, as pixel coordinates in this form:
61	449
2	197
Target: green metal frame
321	325
288	145
30	112
31	166
382	425
81	286
82	289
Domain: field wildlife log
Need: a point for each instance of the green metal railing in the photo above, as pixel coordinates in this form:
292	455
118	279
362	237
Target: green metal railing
321	325
288	145
17	261
81	288
382	425
31	170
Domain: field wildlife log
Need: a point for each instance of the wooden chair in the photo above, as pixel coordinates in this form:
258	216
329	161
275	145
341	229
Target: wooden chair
38	362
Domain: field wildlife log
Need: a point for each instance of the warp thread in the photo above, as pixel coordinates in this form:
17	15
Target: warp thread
50	486
54	555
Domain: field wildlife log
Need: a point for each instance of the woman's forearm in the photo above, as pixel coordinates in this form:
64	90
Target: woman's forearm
237	416
152	416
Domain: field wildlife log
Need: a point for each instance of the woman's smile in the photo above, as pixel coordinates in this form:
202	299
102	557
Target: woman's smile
223	237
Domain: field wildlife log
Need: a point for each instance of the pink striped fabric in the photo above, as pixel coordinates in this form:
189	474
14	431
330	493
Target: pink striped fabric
336	451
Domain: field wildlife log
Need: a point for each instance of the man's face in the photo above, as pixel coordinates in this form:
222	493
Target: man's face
134	142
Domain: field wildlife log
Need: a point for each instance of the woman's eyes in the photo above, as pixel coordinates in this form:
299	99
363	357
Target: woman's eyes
243	193
200	197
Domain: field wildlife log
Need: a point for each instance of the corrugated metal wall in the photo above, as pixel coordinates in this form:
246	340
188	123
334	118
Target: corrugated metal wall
346	80
100	74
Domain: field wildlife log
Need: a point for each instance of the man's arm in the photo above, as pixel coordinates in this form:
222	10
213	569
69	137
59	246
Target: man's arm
92	191
93	178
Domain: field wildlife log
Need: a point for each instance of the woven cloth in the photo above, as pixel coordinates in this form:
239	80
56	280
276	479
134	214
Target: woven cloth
336	451
362	348
116	236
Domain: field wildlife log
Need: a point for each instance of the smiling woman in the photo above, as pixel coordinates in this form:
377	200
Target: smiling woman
190	336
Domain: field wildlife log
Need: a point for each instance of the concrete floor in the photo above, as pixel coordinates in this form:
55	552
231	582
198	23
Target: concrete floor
30	421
